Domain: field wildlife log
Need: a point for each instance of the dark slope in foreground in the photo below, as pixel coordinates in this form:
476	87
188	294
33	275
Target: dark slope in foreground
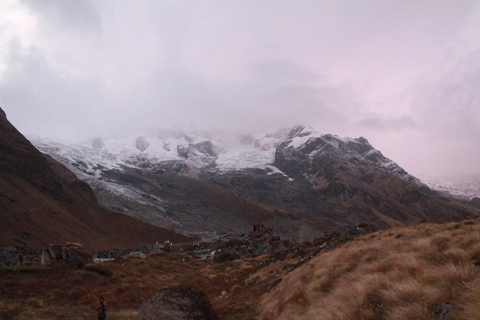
42	202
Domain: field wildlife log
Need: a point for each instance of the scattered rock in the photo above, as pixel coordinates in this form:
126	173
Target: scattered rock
207	148
226	256
55	251
10	260
251	281
12	257
9	250
77	257
360	230
98	143
442	311
143	248
477	262
137	254
177	304
266	242
141	144
183	150
72	255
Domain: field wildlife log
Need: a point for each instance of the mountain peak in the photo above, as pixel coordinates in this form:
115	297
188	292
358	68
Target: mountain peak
298	180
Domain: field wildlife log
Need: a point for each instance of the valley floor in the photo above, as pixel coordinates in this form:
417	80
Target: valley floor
64	292
423	272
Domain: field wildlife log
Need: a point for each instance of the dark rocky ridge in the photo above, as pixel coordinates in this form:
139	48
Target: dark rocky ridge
358	178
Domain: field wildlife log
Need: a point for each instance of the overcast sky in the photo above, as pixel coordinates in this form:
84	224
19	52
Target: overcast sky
404	74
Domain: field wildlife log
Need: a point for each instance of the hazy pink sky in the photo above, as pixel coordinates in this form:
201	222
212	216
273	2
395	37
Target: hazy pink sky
403	74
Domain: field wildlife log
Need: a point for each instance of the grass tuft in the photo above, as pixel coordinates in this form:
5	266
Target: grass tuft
404	273
98	268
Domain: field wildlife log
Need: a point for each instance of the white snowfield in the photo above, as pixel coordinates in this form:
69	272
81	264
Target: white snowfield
463	186
230	152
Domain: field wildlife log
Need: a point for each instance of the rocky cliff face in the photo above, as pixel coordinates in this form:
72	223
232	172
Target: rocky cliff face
42	202
297	181
353	175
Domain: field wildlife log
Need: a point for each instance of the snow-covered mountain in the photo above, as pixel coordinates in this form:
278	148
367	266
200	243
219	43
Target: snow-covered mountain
200	150
297	180
463	187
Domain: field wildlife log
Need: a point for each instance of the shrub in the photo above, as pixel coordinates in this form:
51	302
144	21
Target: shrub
98	268
9	311
35	303
77	293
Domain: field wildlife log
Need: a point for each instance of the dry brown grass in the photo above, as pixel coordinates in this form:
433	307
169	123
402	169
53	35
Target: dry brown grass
99	268
68	293
403	273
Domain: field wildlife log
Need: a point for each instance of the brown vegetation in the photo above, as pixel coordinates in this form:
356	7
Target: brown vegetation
232	287
402	273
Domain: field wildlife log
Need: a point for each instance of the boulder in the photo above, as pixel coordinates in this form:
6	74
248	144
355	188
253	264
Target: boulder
177	304
137	254
183	151
98	143
55	251
207	148
221	257
11	260
443	311
73	256
76	257
144	248
141	144
9	250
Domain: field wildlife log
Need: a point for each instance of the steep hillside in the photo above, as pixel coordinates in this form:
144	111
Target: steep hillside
426	272
295	180
42	202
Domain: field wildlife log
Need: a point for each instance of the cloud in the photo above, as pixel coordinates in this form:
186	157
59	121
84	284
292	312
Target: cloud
381	124
71	14
448	107
402	74
42	102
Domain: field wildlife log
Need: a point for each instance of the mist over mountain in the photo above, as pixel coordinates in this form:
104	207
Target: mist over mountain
463	187
296	180
403	74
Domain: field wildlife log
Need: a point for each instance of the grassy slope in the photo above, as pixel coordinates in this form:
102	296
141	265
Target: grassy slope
402	273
